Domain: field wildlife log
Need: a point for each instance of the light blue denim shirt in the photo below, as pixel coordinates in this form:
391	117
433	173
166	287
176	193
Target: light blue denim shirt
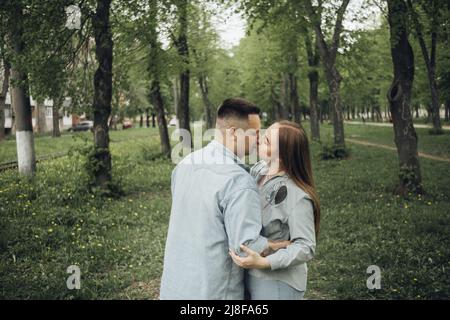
215	206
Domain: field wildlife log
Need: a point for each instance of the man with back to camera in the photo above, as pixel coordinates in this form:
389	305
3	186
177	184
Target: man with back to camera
216	206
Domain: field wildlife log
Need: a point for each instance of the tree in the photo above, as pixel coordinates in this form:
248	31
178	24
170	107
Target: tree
155	69
399	97
262	85
432	11
203	39
41	122
285	19
57	105
5	86
443	58
13	11
289	38
367	70
181	42
313	76
102	93
328	54
5	73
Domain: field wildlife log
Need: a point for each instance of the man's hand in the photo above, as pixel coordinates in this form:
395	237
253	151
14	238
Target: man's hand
252	261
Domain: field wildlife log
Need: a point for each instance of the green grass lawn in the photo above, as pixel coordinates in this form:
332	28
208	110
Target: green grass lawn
46	145
438	145
52	222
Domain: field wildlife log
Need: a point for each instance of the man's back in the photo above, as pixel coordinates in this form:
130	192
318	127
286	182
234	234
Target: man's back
215	206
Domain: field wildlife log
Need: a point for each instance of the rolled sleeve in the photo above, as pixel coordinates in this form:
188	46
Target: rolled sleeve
302	232
296	253
242	218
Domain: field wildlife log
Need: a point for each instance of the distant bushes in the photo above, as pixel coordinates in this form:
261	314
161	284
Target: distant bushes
332	152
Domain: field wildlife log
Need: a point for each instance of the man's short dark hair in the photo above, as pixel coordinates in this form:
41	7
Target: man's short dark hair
237	108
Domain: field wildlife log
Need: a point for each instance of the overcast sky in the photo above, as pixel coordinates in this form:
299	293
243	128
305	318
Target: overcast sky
231	26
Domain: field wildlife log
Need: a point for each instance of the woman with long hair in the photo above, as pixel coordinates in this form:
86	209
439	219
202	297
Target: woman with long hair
291	211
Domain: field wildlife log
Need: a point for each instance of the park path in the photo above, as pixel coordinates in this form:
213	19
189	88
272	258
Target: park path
383	146
387	124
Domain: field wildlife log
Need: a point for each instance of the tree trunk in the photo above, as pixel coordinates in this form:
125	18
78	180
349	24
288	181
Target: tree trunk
23	125
321	112
447	110
206	103
184	100
429	114
157	101
399	97
3	93
276	105
430	61
313	104
13	118
334	83
285	97
40	114
141	121
26	157
176	97
295	105
183	51
379	116
155	74
328	55
111	122
435	105
102	92
57	105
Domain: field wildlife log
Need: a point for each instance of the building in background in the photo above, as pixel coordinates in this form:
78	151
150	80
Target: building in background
66	119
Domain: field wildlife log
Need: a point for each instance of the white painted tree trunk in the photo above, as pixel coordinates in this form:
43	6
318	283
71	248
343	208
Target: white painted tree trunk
20	99
25	152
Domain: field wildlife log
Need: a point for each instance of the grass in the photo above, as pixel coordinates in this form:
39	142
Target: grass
363	225
437	145
51	223
46	144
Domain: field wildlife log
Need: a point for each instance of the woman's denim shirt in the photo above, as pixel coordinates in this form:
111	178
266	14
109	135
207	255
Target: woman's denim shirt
287	214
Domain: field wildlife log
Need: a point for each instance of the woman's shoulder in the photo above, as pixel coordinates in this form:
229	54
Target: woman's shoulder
297	194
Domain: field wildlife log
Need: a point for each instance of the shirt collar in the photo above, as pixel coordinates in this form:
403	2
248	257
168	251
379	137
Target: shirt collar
226	152
265	169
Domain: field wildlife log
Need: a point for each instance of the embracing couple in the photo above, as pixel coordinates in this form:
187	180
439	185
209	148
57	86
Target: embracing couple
236	233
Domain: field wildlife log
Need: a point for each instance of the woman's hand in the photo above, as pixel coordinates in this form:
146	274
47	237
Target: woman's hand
274	246
279	244
252	261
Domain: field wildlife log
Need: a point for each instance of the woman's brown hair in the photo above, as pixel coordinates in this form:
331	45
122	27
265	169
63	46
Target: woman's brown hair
296	162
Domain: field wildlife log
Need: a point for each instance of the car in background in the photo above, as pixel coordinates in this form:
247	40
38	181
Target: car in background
127	124
82	126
